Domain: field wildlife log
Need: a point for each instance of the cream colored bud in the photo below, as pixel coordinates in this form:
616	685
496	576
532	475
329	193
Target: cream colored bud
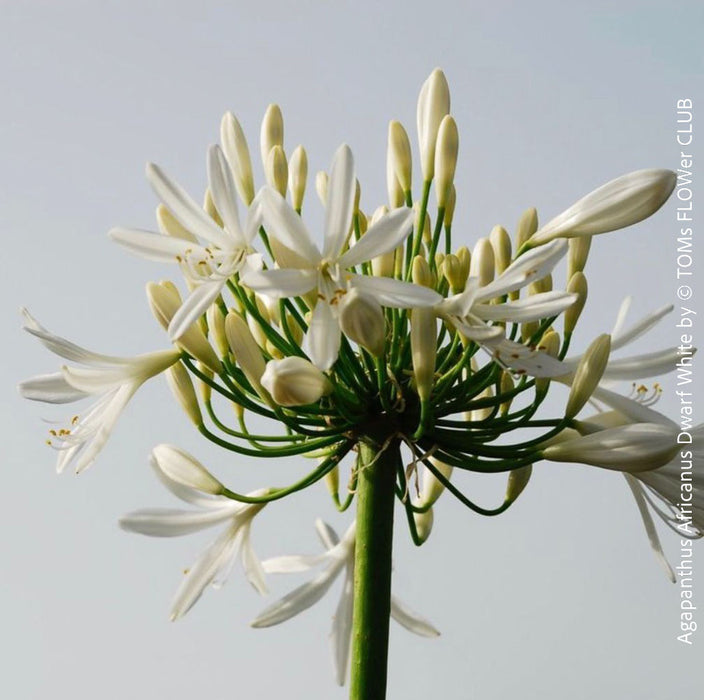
421	272
321	186
362	320
298	175
433	105
206	391
517	481
619	203
216	326
577	285
245	349
357	196
182	387
544	284
393	186
501	243
550	345
272	131
332	481
452	269
276	170
427	230
362	222
169	226
294	381
448	144
507	384
431	487
165	300
210	208
294	328
182	468
450	206
465	258
424	524
588	374
383	265
577	254
234	144
400	154
482	262
423	348
527	226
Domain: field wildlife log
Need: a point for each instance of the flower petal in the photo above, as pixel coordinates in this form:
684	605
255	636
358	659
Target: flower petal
620	337
526	360
292	563
650	530
284	224
650	364
172	522
285	282
323	338
194	307
385	235
395	294
411	620
224	193
50	388
184	209
532	308
341	634
253	570
155	246
340	202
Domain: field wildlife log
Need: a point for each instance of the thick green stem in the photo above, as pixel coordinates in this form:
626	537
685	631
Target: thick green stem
372	570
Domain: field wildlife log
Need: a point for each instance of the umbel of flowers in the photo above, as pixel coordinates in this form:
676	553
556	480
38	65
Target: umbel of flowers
381	349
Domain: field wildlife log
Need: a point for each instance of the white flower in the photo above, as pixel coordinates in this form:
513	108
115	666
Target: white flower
210	265
619	203
190	481
328	272
293	381
340	555
470	311
113	379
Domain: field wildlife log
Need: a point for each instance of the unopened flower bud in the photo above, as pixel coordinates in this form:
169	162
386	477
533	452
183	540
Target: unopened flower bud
421	272
507	385
272	131
465	258
182	468
393	186
517	480
622	202
245	349
165	301
206	391
450	206
427	230
298	174
577	254
588	374
433	105
432	488
362	320
170	226
501	243
452	269
446	159
544	284
423	348
424	524
526	227
482	262
332	481
400	154
321	186
550	345
294	381
234	144
276	170
182	387
577	285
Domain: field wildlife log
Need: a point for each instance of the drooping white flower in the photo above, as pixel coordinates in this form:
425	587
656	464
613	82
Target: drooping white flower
191	482
339	556
208	265
619	203
328	272
114	380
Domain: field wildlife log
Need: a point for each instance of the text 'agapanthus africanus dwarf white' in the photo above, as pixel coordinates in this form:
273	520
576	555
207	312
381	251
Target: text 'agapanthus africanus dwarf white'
390	358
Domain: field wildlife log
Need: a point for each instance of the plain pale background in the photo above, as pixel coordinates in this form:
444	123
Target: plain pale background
558	598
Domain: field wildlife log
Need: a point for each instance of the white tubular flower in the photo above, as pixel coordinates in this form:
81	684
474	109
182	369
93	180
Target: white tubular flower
622	202
293	381
327	272
339	556
210	265
191	482
114	380
433	105
235	146
629	448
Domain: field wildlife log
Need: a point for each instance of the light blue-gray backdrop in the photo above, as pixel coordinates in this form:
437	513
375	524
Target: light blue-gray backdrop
558	598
